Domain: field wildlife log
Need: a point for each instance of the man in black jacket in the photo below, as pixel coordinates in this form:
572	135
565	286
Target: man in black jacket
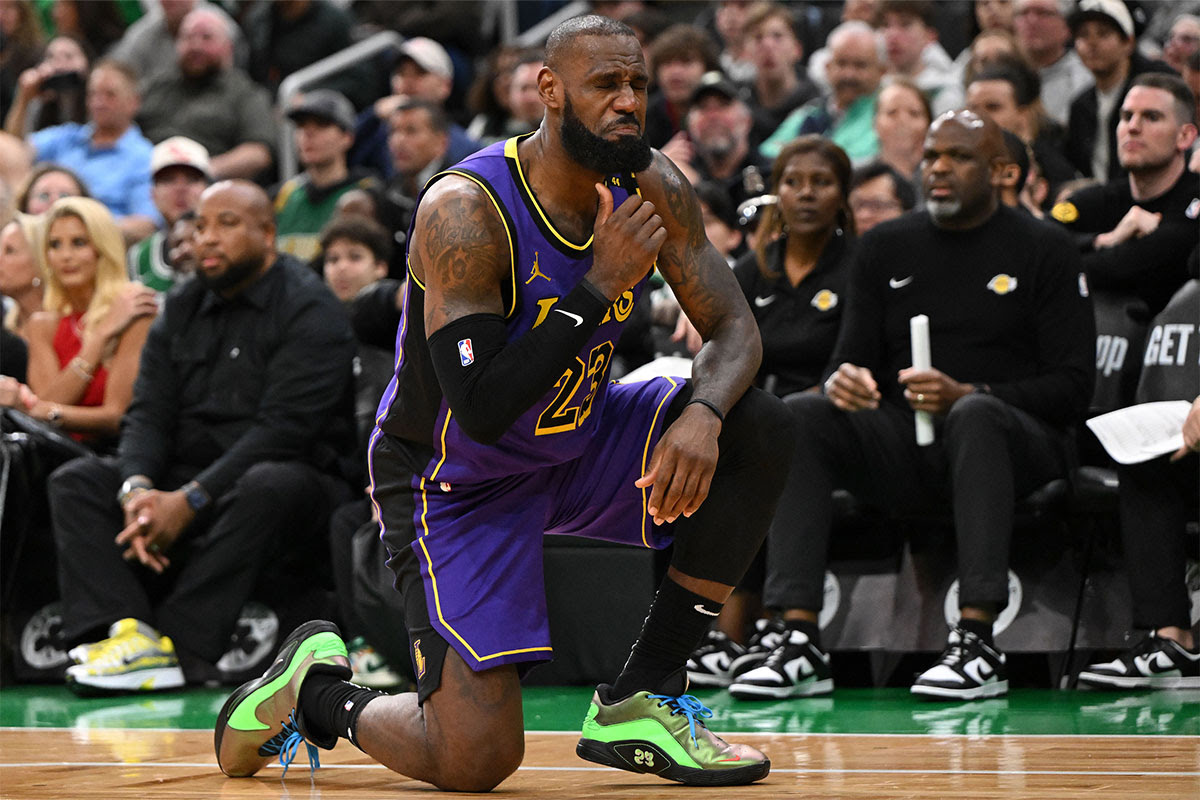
1012	340
241	407
1107	45
1135	232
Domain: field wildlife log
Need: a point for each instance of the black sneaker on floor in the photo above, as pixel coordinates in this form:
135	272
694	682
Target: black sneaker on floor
768	633
968	670
795	668
711	664
1153	663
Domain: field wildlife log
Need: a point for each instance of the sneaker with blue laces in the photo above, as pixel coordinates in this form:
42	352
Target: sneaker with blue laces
260	720
665	735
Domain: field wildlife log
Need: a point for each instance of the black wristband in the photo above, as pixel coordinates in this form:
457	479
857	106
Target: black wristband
710	405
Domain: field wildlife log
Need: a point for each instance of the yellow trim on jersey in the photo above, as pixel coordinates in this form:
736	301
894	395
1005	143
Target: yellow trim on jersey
512	241
646	456
510	151
408	268
437	600
445	427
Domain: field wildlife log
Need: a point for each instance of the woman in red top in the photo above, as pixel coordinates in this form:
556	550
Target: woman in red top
84	347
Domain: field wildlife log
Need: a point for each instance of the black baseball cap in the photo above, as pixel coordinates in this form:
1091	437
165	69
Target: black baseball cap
323	104
715	82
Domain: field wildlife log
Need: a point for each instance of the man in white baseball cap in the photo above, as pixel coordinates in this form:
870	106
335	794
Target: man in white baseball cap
1106	42
179	171
422	71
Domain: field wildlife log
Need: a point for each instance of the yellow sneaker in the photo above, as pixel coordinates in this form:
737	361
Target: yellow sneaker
134	658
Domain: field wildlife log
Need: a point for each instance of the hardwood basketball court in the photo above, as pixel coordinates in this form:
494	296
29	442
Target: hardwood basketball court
869	743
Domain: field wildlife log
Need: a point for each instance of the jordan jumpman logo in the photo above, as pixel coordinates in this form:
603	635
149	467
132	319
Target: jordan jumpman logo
537	273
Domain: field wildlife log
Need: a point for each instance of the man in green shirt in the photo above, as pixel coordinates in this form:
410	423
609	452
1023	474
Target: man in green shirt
179	172
847	114
324	121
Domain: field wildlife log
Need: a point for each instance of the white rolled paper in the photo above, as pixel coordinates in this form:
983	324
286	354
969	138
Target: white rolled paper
918	329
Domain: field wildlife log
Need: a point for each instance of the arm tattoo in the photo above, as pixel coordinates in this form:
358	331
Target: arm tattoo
688	261
460	255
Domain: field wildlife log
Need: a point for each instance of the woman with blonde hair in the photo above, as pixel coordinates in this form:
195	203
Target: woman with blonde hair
20	271
84	346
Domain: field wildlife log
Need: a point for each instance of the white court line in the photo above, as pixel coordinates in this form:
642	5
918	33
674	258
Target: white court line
787	734
207	764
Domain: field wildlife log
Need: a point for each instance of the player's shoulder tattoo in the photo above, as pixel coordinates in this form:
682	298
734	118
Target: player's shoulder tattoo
457	232
667	183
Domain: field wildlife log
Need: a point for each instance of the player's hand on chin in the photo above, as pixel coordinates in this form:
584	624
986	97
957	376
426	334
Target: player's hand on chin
625	243
682	465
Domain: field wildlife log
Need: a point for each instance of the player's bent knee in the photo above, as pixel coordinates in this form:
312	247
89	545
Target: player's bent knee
482	766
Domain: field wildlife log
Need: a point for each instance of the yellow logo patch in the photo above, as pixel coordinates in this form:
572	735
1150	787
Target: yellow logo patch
1003	284
536	272
824	300
1065	212
418	659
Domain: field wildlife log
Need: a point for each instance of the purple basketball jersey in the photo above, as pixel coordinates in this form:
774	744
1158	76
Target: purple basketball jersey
546	266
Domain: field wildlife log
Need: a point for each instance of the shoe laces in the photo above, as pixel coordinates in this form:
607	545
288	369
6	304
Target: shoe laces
767	638
689	706
286	744
955	651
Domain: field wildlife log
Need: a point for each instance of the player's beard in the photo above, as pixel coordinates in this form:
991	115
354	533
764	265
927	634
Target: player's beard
626	154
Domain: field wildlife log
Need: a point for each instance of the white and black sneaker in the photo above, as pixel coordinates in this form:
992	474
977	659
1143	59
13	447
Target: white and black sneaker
712	662
768	633
969	669
795	668
1153	663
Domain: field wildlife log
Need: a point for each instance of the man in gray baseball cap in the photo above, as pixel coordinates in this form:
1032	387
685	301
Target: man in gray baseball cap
324	132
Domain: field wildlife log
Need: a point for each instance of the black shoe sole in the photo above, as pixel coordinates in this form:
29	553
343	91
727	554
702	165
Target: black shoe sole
604	753
282	659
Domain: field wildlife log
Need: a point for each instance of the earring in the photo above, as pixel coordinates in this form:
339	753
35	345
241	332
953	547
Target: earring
36	282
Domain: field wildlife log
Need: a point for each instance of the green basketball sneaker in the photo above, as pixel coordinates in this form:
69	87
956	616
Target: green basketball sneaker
665	735
260	719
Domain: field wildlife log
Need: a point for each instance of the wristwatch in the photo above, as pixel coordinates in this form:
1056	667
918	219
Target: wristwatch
133	484
197	498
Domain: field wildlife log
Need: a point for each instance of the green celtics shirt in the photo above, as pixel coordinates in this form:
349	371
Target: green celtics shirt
147	263
302	209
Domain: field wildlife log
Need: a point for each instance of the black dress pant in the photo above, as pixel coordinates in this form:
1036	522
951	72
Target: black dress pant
986	455
1155	500
215	564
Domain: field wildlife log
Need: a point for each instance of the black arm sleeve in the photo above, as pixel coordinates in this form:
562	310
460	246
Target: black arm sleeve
500	380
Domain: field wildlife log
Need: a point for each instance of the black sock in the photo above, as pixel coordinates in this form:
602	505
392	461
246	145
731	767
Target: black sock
330	707
980	628
673	629
810	629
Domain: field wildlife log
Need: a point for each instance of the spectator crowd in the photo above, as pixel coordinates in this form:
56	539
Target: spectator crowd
209	334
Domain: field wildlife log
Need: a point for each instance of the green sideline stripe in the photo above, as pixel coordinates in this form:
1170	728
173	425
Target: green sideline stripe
865	711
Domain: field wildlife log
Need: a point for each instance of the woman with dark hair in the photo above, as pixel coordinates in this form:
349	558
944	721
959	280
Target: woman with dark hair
795	277
98	23
794	281
47	183
487	98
